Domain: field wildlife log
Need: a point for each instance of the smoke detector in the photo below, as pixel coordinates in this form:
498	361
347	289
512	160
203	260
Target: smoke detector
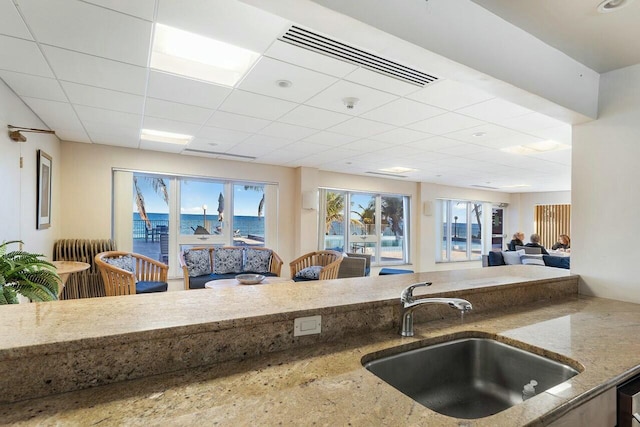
350	102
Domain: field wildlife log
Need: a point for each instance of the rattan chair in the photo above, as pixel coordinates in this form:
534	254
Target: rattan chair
329	261
149	275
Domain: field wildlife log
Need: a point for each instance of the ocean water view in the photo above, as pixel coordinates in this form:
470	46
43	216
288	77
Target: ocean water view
248	225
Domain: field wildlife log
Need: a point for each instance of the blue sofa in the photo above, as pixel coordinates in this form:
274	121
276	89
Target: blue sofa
496	258
197	281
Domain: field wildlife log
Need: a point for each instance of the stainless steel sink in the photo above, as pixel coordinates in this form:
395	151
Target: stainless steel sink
469	377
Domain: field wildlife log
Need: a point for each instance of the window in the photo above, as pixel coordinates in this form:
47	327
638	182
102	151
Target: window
375	224
171	213
461	231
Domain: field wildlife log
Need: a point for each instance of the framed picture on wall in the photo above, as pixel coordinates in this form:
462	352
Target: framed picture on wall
43	204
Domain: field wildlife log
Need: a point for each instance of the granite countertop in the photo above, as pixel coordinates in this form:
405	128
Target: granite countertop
325	384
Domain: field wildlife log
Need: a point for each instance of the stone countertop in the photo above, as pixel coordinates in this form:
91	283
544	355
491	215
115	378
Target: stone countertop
51	324
325	384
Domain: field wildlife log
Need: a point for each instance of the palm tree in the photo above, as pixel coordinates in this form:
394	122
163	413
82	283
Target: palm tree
477	209
159	187
261	203
393	212
367	216
335	210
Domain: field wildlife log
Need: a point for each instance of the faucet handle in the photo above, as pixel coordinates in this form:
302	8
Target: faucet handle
407	293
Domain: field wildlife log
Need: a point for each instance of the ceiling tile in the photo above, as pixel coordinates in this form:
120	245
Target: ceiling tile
330	138
361	127
161	146
366	145
229	21
108	117
226	120
141	8
118	139
531	122
106	128
493	110
402	112
210	145
165	125
463	149
73	135
103	98
305	83
400	136
175	111
446	123
254	105
286	131
315	118
485	133
11	24
332	98
89	29
222	135
186	91
93	71
56	115
560	134
450	95
31	59
258	145
280	157
305	58
34	86
433	144
382	82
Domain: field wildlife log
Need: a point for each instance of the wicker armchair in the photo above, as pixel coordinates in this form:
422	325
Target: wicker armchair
329	261
148	274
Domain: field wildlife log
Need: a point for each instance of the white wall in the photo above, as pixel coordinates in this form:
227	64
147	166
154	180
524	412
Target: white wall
605	204
522	208
87	183
18	205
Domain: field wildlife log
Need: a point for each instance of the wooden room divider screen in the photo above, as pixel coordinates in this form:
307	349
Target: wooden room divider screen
552	221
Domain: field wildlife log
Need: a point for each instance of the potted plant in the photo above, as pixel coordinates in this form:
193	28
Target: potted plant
26	274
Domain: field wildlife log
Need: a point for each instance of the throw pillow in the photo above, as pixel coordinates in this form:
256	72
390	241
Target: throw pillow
198	262
495	258
257	261
227	260
513	257
124	262
530	259
312	272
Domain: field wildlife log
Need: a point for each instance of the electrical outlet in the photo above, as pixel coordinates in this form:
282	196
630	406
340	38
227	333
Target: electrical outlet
307	325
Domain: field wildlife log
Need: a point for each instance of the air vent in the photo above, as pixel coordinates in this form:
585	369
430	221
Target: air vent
318	43
217	153
395	175
484	186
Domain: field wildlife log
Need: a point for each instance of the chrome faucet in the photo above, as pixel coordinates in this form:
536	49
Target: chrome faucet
409	304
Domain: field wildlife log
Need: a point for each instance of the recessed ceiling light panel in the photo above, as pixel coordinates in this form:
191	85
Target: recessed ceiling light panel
167	137
397	169
192	55
536	148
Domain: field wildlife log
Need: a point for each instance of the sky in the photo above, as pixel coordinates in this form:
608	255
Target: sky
196	193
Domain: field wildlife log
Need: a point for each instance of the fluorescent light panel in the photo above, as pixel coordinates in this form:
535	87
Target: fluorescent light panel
536	148
168	137
397	169
192	55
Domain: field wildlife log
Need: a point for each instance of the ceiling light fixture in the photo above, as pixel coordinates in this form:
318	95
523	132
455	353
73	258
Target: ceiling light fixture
192	55
167	137
612	5
16	136
397	169
516	186
284	83
536	148
350	102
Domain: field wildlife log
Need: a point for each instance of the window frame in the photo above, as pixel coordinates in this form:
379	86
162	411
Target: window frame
445	223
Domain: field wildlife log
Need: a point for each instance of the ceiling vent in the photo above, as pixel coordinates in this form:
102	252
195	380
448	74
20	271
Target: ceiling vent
218	153
484	186
318	43
395	175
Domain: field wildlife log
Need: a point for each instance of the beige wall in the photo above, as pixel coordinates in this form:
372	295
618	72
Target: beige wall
605	205
18	205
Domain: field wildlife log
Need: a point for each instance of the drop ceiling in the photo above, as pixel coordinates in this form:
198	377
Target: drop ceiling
82	67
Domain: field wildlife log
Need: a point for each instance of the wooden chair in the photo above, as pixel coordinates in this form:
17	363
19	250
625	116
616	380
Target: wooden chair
329	261
275	267
149	275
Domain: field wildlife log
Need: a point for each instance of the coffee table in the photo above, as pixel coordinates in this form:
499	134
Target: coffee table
230	283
